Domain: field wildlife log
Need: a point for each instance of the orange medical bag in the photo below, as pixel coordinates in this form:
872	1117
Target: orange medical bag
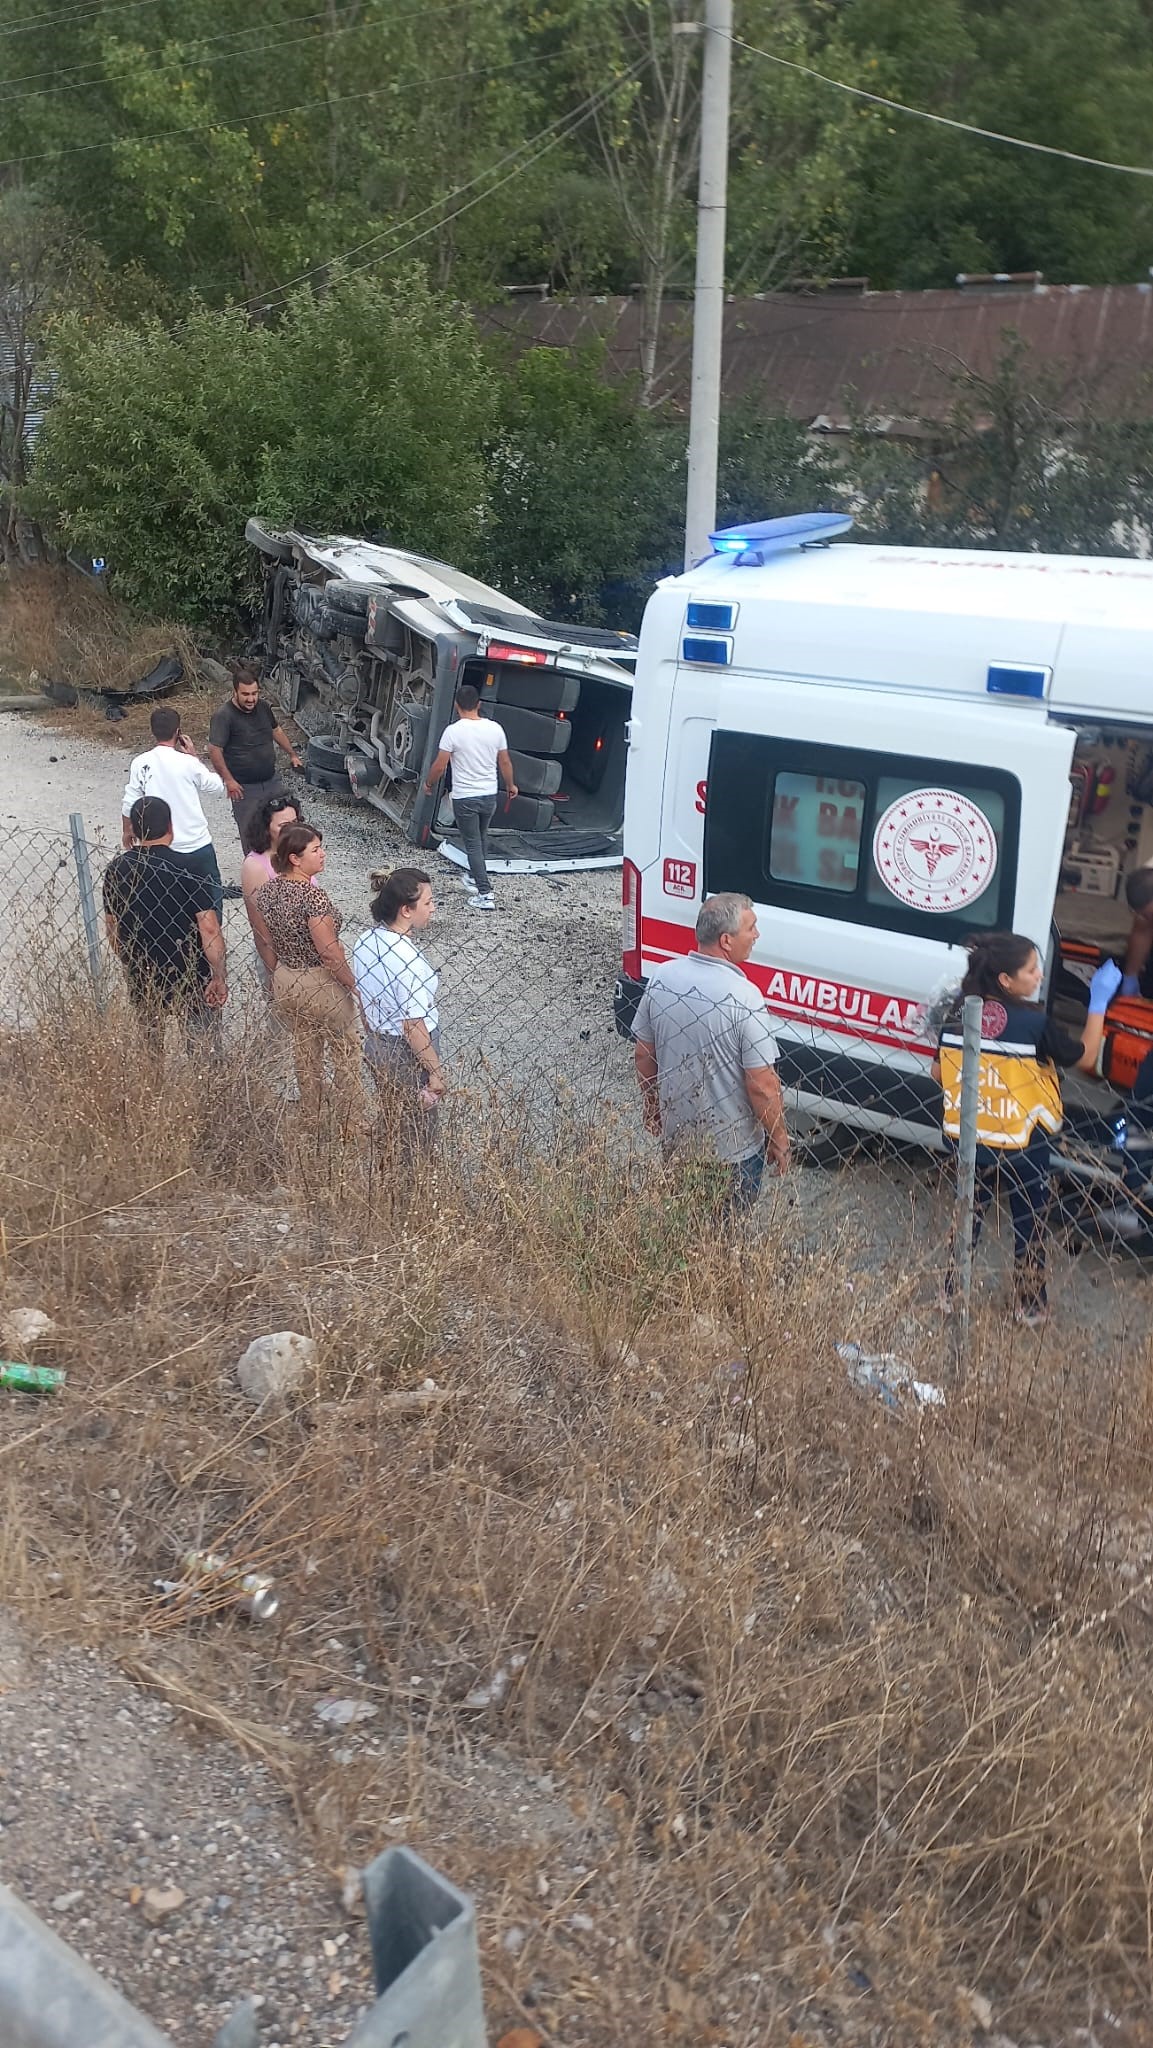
1128	1037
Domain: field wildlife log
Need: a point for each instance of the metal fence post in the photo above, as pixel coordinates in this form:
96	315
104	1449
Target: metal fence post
967	1169
87	904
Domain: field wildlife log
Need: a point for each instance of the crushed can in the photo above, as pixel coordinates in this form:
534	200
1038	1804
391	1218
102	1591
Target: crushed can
252	1594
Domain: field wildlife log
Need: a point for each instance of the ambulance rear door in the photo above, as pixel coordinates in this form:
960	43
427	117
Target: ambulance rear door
875	830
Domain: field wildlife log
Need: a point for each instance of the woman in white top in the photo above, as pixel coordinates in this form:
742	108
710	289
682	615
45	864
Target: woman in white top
274	814
397	990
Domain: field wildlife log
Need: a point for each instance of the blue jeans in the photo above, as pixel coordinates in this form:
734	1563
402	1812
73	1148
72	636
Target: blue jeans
745	1184
204	862
725	1189
474	815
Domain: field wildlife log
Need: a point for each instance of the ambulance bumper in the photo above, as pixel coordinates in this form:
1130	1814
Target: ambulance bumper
626	997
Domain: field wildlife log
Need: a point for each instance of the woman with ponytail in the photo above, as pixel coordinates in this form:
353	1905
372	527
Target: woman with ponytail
1019	1103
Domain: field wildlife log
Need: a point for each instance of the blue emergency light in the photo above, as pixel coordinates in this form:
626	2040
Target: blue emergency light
711	618
714	652
1017	679
752	544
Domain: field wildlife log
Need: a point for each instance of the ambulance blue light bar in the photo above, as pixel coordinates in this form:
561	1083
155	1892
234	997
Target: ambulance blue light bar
714	651
1017	679
751	545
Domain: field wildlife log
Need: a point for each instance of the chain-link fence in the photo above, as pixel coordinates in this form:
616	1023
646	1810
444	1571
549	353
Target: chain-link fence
524	1007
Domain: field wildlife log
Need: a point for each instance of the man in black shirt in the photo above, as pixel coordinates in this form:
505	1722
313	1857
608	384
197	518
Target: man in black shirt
162	925
242	742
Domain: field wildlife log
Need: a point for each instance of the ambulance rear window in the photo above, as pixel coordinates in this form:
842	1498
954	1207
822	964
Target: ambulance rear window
815	825
903	842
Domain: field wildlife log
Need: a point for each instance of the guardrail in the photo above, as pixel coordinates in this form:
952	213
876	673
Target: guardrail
424	1950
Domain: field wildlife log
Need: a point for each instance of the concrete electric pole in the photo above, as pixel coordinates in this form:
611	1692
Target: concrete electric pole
709	298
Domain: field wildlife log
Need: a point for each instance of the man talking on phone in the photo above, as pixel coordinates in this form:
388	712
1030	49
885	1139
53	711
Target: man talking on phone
173	771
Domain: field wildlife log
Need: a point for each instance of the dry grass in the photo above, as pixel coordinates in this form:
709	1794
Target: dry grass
69	631
825	1720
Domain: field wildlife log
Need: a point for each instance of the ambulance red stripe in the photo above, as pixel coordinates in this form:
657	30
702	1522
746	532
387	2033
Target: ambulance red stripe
836	1006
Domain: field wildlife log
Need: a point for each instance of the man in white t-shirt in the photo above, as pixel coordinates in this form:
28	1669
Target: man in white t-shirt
172	771
477	749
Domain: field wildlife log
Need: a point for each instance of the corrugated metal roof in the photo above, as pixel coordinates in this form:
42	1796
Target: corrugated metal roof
7	386
884	354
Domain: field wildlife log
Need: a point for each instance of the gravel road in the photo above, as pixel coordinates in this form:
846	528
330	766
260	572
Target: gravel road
103	1800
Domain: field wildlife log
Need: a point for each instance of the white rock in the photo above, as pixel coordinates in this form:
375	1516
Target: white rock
65	1902
21	1328
160	1902
276	1365
667	1598
418	1400
492	1694
342	1713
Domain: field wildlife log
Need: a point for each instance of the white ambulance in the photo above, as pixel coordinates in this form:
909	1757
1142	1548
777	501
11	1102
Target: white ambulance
888	749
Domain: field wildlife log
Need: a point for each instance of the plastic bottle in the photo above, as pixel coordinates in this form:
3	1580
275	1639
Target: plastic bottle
29	1379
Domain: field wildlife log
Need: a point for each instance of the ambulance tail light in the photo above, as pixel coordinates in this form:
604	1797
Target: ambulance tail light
631	921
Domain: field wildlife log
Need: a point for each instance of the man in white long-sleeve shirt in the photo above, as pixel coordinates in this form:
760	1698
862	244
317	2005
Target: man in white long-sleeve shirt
172	770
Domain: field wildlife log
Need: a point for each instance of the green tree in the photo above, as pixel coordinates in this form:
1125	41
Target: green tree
1023	460
367	409
587	490
769	465
44	267
927	203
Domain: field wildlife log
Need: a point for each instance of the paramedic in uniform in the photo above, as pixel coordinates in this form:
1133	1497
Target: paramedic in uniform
1019	1107
706	1058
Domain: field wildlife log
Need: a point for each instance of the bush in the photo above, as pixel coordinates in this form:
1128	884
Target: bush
586	492
366	409
769	465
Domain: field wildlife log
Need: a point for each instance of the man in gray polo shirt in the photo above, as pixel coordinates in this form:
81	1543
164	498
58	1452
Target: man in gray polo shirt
706	1058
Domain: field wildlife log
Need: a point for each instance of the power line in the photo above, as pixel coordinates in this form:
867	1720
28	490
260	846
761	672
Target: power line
191	62
72	13
266	113
567	123
436	225
877	99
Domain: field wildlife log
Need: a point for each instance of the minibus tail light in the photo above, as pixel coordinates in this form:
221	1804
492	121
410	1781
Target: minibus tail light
631	921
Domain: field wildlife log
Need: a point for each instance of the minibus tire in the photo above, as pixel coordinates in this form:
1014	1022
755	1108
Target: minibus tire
276	546
351	599
326	755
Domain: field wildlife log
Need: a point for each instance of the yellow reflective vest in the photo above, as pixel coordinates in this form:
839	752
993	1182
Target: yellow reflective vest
1019	1092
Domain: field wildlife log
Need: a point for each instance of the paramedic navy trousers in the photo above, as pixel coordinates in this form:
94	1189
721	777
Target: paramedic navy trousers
1024	1175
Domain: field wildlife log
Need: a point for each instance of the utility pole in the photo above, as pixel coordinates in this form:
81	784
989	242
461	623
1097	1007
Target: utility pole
709	296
